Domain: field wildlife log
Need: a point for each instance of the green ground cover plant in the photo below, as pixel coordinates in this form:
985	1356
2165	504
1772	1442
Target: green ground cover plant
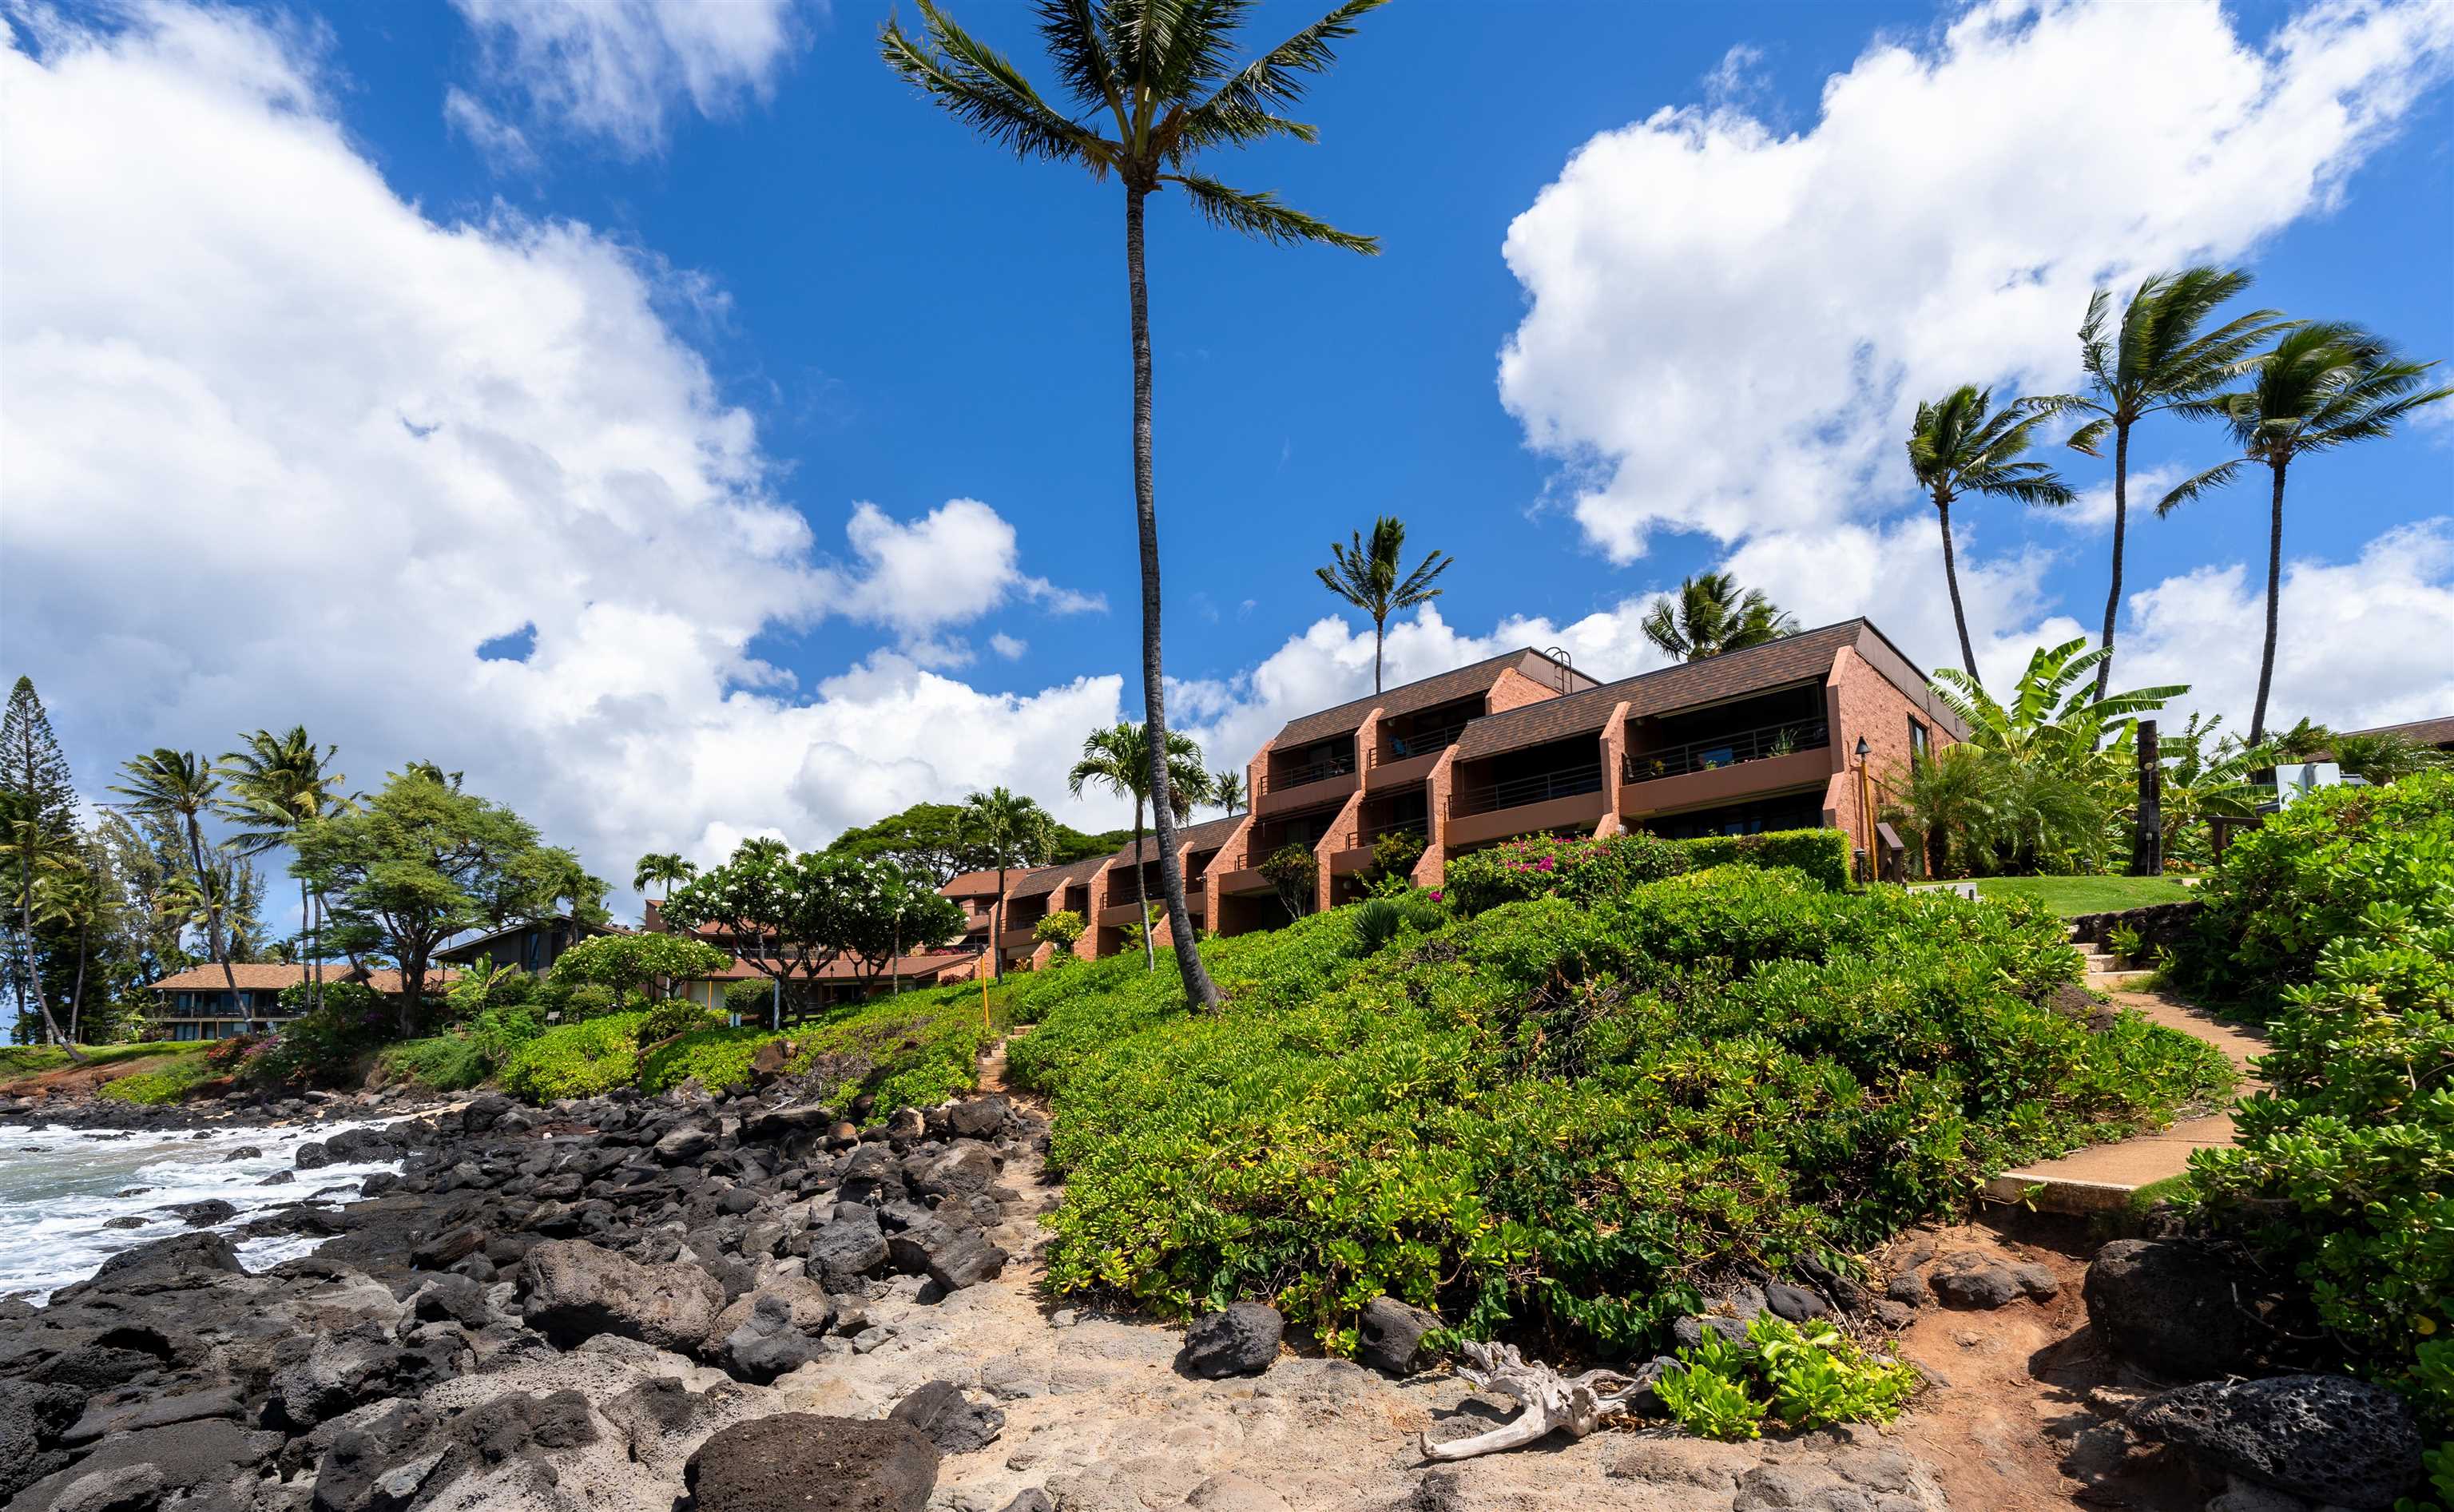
1797	1375
1591	869
2308	877
585	1059
30	1061
176	1077
2342	1170
2073	896
1564	1114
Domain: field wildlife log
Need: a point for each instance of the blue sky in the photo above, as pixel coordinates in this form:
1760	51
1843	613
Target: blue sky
764	278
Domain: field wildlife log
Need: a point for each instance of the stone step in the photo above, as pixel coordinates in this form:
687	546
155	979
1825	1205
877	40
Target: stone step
2116	981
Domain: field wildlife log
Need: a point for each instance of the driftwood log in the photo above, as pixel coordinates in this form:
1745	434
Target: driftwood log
1551	1403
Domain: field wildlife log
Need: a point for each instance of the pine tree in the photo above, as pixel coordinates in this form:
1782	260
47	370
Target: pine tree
39	799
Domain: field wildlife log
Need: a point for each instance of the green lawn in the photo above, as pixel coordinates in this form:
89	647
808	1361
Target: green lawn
26	1061
2070	896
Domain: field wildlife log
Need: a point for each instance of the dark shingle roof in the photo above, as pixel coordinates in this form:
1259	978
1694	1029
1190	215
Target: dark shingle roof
1792	658
1049	878
2419	732
1200	837
1407	697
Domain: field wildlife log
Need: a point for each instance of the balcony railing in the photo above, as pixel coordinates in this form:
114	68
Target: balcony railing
1726	750
1517	792
1295	776
1418	825
1421	742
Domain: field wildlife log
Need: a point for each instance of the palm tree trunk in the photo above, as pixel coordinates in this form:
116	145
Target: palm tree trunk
1951	576
1379	635
997	927
213	920
25	923
1141	891
2274	596
2121	521
1198	985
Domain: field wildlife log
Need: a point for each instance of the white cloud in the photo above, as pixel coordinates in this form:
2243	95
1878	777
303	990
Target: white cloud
1007	646
1729	327
278	448
951	566
503	146
616	69
2093	509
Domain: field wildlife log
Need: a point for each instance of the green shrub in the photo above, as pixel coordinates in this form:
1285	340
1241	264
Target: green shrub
1060	929
168	1085
1589	870
451	1062
2343	1167
1396	852
581	1059
1295	871
2307	875
914	1049
326	1047
338	996
1566	1114
1812	1375
752	998
1377	922
677	1015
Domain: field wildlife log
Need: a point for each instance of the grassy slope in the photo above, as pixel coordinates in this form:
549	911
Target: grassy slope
27	1061
2072	896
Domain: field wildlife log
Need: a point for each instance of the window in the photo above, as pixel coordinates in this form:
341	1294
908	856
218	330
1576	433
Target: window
1917	740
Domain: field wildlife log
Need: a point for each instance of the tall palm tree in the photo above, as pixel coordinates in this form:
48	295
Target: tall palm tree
1163	73
78	896
1370	579
33	851
2324	385
1111	759
1016	830
2158	358
1227	791
1961	444
661	866
1710	615
176	787
277	787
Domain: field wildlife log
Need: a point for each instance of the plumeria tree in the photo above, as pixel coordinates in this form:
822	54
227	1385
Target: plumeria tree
625	963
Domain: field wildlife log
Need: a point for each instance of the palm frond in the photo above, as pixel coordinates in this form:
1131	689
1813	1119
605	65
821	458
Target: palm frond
1260	216
2190	488
978	85
1070	29
1250	104
2089	436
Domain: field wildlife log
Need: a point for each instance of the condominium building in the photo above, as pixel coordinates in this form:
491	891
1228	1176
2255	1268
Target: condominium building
1765	739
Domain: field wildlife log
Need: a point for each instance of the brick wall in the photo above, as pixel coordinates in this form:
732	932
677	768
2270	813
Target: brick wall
1514	689
1614	754
1862	702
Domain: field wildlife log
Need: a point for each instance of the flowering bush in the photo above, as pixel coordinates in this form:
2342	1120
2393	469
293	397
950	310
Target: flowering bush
1587	871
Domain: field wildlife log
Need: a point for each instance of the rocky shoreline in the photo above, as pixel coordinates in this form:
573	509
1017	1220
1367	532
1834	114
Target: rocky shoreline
760	1301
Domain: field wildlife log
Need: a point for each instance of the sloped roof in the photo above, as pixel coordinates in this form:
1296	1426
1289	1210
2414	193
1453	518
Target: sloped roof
275	975
1049	878
973	884
1407	697
1792	658
1202	836
2419	732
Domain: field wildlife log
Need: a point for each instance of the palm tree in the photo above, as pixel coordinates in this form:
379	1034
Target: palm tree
1368	577
175	787
2324	385
1959	444
1164	74
278	786
1710	615
661	866
78	896
1111	759
1017	831
34	851
1227	791
2157	360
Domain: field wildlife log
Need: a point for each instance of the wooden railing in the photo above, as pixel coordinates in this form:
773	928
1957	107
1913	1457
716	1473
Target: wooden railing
1517	791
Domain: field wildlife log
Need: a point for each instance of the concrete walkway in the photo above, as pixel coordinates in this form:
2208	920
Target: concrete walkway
2106	1176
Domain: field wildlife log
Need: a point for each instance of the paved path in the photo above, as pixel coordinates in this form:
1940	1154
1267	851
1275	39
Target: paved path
2105	1176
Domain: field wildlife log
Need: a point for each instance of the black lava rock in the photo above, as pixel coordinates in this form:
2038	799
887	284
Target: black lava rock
1241	1341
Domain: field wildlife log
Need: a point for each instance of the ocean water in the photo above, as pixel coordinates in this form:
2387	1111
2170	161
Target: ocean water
59	1188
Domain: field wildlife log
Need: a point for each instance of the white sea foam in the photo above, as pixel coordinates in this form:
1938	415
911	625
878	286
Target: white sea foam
60	1187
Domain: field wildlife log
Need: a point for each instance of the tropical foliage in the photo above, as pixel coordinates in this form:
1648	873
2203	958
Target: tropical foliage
1961	445
791	917
1373	579
1593	870
1115	759
1710	615
1011	830
1562	1114
625	963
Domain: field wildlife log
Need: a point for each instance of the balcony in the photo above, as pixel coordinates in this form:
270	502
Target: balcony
1565	798
1726	769
1304	785
1244	882
1714	753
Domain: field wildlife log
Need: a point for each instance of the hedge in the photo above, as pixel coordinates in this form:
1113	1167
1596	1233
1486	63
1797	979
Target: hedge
1564	1114
1589	870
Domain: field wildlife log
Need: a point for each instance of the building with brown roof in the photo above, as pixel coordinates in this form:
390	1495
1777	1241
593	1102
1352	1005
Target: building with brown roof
197	1003
1764	738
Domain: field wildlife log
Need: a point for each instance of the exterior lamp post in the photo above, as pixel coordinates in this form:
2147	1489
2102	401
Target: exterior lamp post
1865	810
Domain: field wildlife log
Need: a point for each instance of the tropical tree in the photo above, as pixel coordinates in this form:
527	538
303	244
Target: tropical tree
32	851
2207	774
1710	615
1009	830
424	860
2323	386
926	840
1165	75
661	866
1112	760
277	785
178	787
80	897
2158	358
1373	579
2385	756
1961	444
887	909
623	963
1227	790
1950	801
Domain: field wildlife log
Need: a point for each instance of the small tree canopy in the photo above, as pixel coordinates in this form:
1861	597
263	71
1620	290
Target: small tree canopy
623	963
